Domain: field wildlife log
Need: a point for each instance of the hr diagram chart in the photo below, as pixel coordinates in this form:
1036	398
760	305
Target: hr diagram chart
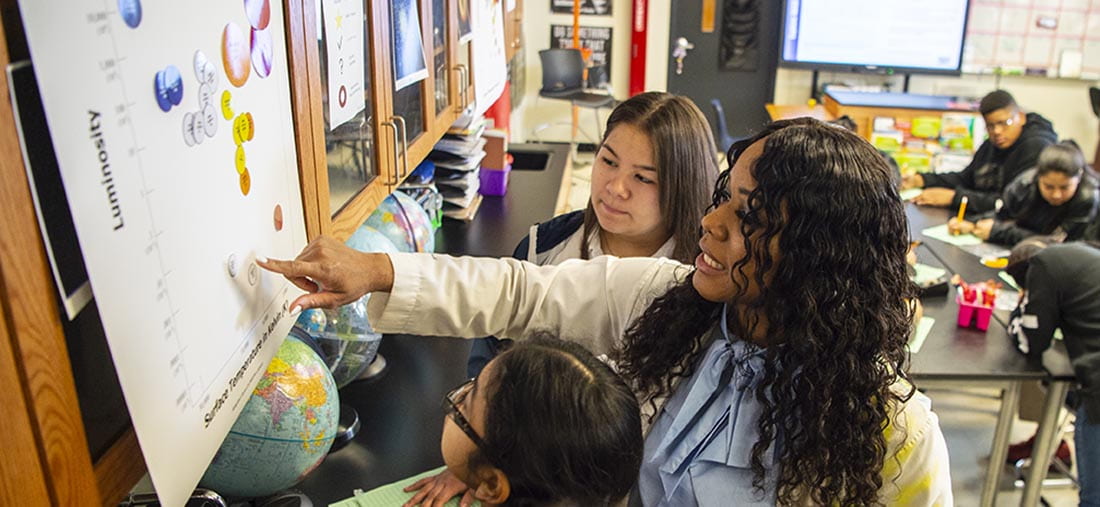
173	130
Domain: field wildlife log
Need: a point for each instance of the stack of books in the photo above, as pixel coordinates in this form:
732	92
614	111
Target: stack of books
457	158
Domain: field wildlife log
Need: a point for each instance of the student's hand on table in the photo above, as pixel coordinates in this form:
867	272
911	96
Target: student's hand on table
912	181
956	226
935	197
436	490
983	228
332	273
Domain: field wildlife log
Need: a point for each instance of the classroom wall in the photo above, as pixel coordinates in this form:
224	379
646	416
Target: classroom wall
1063	101
536	111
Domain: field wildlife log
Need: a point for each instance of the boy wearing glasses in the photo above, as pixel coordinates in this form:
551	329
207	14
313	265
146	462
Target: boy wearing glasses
1015	140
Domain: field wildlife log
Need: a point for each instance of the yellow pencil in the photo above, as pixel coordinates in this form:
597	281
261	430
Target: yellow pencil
962	208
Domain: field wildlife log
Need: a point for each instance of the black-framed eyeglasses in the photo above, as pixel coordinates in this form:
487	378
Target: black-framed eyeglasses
452	401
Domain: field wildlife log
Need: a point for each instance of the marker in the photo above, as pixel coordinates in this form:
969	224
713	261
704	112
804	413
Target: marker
962	208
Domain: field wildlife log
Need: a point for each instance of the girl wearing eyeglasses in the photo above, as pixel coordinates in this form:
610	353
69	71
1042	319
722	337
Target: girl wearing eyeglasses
774	371
544	423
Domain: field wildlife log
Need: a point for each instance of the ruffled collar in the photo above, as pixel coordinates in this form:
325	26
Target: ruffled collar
717	421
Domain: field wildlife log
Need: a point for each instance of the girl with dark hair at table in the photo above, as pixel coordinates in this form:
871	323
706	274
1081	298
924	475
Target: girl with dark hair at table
511	433
774	371
1059	196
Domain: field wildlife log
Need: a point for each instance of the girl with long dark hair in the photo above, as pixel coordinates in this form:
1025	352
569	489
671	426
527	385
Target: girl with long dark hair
651	180
774	371
1058	196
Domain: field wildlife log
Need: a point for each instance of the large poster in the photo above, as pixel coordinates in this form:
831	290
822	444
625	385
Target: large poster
173	129
596	39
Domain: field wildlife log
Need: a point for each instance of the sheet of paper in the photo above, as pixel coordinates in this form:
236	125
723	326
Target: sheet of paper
1011	282
986	250
344	27
174	134
926	273
910	193
940	232
920	334
392	494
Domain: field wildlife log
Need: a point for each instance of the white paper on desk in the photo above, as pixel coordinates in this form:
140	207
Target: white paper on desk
920	333
983	250
940	233
343	20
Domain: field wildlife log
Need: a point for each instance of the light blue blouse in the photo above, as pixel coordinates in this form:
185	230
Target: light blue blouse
699	449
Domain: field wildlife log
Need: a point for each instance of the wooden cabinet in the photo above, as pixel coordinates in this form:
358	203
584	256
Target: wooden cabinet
356	164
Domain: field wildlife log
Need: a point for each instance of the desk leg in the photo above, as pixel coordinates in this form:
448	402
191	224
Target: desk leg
1010	397
1041	452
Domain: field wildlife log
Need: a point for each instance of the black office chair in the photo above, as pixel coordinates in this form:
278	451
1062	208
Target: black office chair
1094	98
563	79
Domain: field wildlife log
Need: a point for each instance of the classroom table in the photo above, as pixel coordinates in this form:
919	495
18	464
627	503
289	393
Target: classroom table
956	354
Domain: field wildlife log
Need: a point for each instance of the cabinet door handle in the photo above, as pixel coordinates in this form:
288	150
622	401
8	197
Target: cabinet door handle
464	84
396	178
460	103
364	144
404	145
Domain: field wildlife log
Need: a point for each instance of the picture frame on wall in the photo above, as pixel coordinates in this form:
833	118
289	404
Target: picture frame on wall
588	7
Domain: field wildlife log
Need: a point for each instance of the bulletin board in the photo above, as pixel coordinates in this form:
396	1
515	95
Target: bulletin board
174	137
1053	38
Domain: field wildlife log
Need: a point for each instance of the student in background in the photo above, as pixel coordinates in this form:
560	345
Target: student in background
523	432
773	372
1061	290
1058	197
1015	140
651	179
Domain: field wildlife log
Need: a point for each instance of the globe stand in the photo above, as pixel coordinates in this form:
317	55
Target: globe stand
285	498
204	497
347	428
375	371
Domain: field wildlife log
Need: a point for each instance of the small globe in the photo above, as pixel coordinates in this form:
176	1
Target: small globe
344	336
285	429
401	219
368	239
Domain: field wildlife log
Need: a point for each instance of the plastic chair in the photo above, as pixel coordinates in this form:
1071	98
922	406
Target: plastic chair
725	140
563	79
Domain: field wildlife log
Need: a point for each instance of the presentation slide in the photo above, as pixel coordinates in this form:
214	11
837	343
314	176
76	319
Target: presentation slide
174	134
882	33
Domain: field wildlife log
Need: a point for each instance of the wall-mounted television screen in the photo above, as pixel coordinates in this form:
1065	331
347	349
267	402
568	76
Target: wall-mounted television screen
886	36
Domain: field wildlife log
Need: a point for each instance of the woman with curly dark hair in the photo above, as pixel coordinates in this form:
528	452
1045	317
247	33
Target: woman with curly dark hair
772	372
